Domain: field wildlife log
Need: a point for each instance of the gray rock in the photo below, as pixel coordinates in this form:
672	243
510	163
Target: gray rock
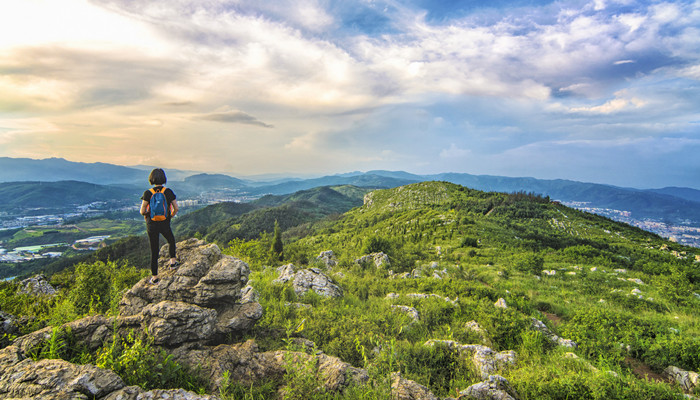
92	331
8	324
485	360
136	393
687	380
53	379
246	365
304	280
327	258
249	295
37	285
501	303
205	277
542	328
380	260
495	387
172	323
404	389
199	301
410	311
239	318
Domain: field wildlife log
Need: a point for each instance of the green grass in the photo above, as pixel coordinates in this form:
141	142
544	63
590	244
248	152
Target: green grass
484	246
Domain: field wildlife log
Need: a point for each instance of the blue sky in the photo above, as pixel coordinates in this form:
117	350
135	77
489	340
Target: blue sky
598	91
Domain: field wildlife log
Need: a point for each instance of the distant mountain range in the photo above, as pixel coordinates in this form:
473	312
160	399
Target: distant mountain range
673	204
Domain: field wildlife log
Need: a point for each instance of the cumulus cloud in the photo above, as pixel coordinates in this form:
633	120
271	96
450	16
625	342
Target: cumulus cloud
391	75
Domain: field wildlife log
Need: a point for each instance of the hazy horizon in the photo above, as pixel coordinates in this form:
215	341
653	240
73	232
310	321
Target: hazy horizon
602	91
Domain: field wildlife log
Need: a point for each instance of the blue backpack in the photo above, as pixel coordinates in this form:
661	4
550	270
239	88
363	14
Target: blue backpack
159	205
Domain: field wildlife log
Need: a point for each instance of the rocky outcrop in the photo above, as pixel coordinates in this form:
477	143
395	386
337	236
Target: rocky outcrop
410	311
37	285
495	387
687	380
327	258
188	313
476	328
404	389
136	393
205	277
422	296
542	328
193	306
485	360
8	324
53	379
199	301
247	365
501	303
380	260
304	280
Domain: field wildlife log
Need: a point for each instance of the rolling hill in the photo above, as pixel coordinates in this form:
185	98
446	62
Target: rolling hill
438	290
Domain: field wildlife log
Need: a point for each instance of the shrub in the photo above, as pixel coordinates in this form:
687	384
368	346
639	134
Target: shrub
529	262
137	362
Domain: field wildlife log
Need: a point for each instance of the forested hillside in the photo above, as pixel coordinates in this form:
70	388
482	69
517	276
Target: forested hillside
223	222
448	286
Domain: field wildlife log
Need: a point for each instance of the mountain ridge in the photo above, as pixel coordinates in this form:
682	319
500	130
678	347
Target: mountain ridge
679	206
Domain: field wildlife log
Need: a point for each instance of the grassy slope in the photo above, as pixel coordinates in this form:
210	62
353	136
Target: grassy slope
483	246
493	245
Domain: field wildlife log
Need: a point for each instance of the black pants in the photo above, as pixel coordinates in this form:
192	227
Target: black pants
155	229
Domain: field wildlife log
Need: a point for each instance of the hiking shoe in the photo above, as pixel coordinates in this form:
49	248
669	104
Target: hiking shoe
174	265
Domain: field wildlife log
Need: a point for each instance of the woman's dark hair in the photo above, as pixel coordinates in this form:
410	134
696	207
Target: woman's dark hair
157	177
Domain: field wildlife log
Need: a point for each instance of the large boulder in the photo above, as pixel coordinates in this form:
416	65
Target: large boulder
304	280
328	259
8	324
136	393
404	389
485	360
246	365
495	387
687	380
198	301
205	277
380	260
37	285
24	378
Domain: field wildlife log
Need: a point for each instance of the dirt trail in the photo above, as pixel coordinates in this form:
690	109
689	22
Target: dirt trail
644	371
554	318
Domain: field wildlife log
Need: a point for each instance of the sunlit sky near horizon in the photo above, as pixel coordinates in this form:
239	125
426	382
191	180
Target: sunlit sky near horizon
598	91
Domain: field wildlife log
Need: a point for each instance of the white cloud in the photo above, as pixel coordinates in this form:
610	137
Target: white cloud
454	152
620	103
117	71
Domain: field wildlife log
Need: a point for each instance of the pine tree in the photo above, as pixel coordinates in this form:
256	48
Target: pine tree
277	246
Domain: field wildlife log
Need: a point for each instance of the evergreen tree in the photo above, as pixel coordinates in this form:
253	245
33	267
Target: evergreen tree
277	246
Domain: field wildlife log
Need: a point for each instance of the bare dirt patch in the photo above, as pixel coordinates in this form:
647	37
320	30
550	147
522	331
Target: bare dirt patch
644	371
554	318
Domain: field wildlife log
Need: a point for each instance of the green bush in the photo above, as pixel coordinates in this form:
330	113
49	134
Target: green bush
137	362
529	262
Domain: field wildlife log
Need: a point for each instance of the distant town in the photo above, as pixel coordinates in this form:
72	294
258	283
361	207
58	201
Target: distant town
95	209
684	234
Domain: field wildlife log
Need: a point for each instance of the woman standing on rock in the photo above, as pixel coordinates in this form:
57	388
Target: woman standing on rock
158	207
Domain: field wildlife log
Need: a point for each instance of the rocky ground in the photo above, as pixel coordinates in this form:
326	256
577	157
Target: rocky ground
193	311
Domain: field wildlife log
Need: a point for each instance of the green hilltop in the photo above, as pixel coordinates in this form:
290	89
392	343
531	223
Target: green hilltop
442	257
